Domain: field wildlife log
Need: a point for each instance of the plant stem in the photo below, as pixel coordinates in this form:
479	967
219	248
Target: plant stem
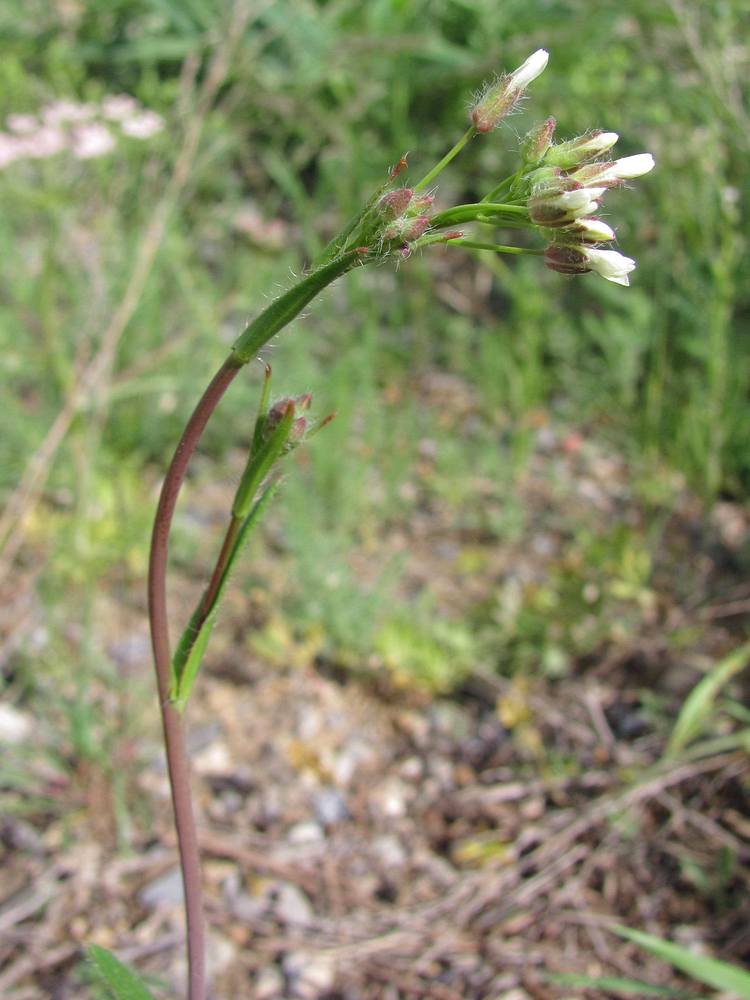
450	155
496	247
172	722
230	537
469	213
276	316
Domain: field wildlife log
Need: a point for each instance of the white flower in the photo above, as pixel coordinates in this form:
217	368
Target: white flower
624	169
578	201
593	230
92	140
609	264
633	166
520	78
500	97
558	208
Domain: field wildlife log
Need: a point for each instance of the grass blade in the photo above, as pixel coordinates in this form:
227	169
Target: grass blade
700	702
711	971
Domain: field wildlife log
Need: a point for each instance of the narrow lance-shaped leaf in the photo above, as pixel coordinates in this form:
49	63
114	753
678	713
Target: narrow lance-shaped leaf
711	971
700	702
122	983
194	639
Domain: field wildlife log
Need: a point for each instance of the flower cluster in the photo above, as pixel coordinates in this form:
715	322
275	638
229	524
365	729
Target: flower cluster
83	129
567	184
556	192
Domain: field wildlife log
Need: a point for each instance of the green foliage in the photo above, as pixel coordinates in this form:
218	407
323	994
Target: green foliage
122	983
720	975
699	706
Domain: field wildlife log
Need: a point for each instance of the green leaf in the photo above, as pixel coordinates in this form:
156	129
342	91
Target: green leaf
123	984
699	704
711	971
192	647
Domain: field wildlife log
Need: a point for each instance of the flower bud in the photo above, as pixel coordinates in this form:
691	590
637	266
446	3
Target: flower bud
536	142
581	149
419	206
395	203
559	209
501	96
566	260
591	231
407	228
543	177
616	171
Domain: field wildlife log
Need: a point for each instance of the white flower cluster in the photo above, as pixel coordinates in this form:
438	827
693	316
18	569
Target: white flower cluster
566	191
85	130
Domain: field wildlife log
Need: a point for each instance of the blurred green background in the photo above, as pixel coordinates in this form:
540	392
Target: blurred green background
124	276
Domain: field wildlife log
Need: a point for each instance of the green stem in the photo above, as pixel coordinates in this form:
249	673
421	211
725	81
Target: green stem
450	155
469	213
496	247
283	310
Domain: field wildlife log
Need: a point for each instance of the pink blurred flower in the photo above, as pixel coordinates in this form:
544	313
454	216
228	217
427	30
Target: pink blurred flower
92	140
118	107
143	125
22	124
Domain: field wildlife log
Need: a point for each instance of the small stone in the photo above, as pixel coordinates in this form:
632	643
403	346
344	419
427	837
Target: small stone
215	759
220	954
15	726
390	799
166	890
292	906
389	851
269	984
249	909
305	833
308	975
329	807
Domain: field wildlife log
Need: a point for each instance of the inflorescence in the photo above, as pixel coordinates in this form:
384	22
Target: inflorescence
556	192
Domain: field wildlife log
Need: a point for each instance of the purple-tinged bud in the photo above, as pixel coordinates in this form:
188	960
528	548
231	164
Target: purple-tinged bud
416	227
277	412
536	142
395	203
566	260
420	205
501	96
297	432
407	228
581	149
